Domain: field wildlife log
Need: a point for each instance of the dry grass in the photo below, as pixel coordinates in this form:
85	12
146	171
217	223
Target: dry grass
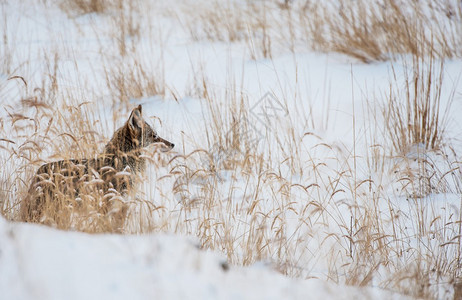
130	79
380	30
57	132
291	199
366	30
252	23
87	6
418	115
6	49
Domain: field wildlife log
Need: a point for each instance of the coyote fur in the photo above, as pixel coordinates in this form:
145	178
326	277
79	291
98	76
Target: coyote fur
58	187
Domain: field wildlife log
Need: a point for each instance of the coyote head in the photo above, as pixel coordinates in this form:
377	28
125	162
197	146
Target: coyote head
136	134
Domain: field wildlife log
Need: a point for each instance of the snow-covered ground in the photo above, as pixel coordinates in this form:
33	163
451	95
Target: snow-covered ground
42	263
283	164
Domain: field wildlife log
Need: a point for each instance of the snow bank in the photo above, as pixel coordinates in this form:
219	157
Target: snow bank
42	263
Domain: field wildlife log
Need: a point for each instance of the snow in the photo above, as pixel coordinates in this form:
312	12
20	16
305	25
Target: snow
305	208
42	263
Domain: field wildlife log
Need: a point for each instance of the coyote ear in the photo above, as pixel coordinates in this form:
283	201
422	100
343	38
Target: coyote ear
135	120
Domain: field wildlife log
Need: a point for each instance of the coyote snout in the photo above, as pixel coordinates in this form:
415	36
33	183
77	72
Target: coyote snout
59	188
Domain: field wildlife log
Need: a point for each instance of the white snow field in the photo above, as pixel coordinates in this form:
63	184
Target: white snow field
41	263
317	148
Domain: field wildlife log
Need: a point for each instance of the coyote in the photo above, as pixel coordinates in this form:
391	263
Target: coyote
59	188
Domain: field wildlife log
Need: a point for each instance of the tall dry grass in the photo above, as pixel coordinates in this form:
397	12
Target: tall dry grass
251	23
380	30
366	30
418	115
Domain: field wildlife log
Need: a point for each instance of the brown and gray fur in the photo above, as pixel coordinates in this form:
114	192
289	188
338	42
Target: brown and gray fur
108	178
